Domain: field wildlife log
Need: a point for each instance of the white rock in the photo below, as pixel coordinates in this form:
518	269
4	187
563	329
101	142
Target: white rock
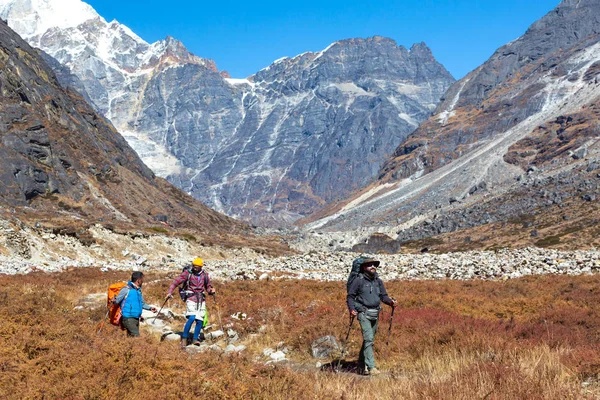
239	316
268	351
215	347
172	337
214	335
233	336
277	356
230	349
234	349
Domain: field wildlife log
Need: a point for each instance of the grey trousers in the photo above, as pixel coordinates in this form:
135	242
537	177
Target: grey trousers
368	328
131	325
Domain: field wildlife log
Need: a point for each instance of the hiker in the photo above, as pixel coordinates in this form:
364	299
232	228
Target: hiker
365	294
194	281
132	303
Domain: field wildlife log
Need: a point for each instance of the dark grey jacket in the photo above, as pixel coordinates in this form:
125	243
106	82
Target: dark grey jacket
366	293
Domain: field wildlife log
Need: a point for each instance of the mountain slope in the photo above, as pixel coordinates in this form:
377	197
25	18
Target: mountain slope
64	165
271	148
515	140
316	127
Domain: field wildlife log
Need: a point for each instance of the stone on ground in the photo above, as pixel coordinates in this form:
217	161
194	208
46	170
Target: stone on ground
325	346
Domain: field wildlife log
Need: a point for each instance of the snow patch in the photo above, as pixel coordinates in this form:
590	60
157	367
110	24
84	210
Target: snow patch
351	88
234	82
409	119
449	112
279	60
320	53
155	156
34	17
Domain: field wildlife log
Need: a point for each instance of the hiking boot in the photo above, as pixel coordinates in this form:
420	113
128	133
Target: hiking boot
374	371
197	343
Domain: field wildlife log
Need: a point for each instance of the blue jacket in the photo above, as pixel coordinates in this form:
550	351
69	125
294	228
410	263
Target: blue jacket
132	302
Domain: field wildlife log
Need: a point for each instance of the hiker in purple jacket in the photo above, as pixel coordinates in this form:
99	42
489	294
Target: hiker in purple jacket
194	282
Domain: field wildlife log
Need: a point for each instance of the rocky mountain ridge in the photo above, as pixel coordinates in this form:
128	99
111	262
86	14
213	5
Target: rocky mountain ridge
270	148
516	139
65	167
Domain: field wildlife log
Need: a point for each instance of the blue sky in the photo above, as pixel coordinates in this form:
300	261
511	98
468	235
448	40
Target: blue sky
246	36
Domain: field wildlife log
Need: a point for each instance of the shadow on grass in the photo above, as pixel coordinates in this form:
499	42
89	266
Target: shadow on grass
343	366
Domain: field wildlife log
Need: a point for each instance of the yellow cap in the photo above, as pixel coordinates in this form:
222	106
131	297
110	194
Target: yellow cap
198	262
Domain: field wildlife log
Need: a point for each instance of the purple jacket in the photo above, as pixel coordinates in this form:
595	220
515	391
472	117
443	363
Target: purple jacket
195	286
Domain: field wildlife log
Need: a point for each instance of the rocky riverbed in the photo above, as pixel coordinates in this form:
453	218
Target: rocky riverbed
334	266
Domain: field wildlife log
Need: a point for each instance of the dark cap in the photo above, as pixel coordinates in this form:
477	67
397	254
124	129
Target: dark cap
368	261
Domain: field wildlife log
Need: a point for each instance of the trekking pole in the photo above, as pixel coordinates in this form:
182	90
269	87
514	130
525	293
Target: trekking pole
219	315
158	313
387	342
337	369
103	321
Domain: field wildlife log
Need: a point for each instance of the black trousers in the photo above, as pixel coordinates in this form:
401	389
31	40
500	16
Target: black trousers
131	325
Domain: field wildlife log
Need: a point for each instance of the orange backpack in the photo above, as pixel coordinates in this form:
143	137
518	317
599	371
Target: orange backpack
114	313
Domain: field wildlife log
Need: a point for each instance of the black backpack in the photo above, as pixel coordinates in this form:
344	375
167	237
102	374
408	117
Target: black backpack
354	271
182	290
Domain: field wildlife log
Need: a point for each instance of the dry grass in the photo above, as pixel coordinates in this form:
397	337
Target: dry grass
534	338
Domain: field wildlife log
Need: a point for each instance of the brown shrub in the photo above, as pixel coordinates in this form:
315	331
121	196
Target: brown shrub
535	337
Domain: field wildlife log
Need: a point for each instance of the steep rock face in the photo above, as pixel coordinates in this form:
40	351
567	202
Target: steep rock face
298	134
111	63
311	129
63	162
524	121
511	86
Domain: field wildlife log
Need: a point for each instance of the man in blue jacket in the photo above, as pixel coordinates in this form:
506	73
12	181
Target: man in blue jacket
132	303
364	300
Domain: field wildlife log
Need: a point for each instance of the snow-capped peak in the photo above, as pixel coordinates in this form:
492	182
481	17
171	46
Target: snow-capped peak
34	17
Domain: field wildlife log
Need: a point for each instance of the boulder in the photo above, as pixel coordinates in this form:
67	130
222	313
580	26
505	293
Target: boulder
233	336
325	346
277	356
172	337
268	351
215	334
234	349
264	277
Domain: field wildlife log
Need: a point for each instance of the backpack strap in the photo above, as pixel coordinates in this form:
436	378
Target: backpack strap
126	295
187	281
200	295
205	280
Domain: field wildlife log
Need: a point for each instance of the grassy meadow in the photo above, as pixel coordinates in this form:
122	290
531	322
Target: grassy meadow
532	338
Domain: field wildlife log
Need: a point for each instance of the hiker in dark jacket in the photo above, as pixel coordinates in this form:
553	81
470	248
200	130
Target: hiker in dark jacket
364	301
132	303
194	281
